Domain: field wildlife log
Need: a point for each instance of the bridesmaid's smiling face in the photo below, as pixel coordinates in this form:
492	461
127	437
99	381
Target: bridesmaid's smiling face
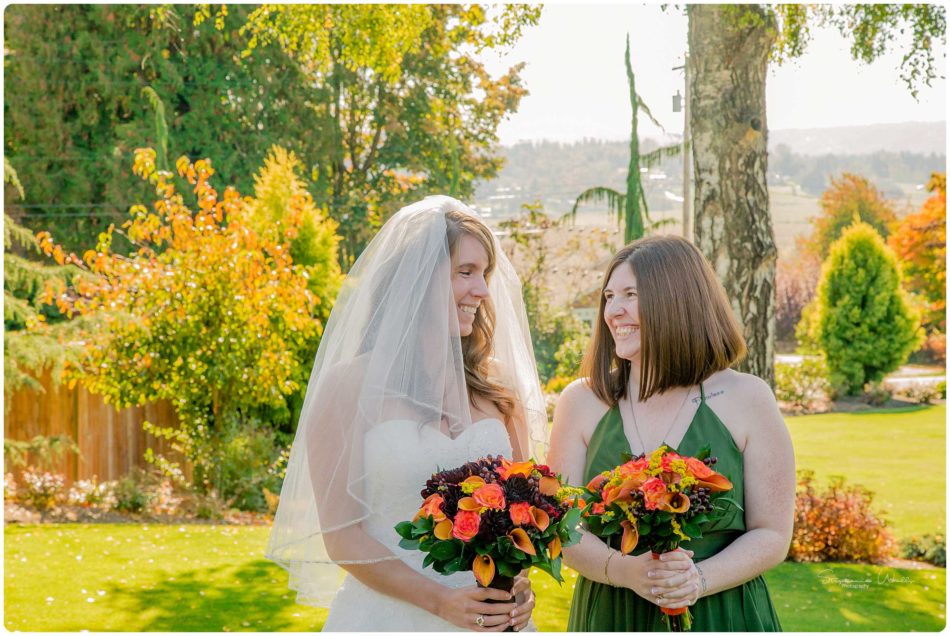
469	264
622	312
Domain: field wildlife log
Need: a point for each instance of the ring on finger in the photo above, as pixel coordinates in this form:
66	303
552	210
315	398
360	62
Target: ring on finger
480	620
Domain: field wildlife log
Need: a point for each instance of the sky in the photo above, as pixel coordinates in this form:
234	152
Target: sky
577	83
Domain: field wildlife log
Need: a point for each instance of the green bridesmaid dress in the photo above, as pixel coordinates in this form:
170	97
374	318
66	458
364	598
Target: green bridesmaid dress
598	607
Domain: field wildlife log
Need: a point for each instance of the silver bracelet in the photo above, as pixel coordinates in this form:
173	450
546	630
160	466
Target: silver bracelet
702	577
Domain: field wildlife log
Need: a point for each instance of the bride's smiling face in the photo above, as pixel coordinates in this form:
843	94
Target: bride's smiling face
469	286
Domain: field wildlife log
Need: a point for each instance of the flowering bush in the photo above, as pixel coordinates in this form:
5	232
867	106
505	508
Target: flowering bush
163	500
931	548
838	524
921	393
41	490
802	386
9	487
88	492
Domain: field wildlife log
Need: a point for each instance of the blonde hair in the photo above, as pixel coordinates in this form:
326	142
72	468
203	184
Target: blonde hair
477	346
687	328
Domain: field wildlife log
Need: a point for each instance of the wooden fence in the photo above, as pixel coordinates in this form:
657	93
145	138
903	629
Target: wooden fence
111	442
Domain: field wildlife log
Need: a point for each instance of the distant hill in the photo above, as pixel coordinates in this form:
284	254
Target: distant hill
916	137
897	157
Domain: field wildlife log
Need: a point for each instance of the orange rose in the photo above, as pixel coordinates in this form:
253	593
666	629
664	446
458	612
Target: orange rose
598	508
431	507
633	467
490	496
654	492
520	513
466	525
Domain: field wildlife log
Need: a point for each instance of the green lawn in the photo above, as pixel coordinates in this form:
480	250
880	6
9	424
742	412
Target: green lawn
214	578
900	456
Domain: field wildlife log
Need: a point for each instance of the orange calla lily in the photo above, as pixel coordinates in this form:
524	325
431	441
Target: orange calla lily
521	540
507	468
677	502
630	537
540	518
707	477
484	569
469	504
549	486
596	483
554	548
443	530
475	482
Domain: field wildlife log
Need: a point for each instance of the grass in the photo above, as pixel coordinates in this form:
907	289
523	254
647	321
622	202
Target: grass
899	455
213	578
814	597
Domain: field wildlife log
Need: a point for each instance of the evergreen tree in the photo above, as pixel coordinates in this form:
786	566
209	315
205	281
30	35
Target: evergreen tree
85	85
864	323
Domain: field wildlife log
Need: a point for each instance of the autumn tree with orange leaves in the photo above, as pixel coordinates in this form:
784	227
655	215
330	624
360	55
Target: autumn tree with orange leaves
206	311
920	241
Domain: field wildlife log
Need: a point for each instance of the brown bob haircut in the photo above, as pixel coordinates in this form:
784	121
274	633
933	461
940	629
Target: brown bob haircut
687	328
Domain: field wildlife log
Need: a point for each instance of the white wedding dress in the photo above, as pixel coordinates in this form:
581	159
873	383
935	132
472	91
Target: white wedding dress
400	457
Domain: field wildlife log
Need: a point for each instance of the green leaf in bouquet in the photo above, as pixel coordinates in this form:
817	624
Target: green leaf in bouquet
409	544
445	550
612	527
726	500
455	565
664	517
507	568
644	528
404	529
692	531
700	519
567	527
664	531
704	452
553	568
429	560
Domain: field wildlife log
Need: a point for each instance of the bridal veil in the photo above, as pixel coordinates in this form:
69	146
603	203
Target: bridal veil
391	351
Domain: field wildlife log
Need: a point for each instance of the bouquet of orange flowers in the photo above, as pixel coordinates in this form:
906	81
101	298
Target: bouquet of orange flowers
659	501
495	518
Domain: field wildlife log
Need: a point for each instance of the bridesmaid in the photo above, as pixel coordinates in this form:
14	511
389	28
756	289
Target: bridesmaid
658	372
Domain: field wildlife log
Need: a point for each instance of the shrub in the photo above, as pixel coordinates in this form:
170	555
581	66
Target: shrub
557	384
802	385
88	492
865	325
921	393
9	487
246	457
931	548
570	354
41	490
129	493
942	388
876	393
838	524
163	500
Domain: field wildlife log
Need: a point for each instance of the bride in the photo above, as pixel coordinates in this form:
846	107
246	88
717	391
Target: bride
425	364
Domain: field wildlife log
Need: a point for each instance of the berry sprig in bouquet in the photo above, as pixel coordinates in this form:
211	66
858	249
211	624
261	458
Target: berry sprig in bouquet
496	518
659	501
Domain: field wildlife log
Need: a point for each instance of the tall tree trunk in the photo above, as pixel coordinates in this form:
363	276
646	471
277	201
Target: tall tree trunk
728	54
